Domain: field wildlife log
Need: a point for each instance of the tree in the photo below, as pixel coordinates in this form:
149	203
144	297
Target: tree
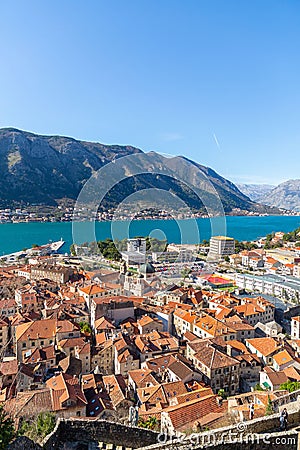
45	424
269	407
185	272
222	393
155	245
38	428
73	250
290	386
151	423
85	327
108	249
7	429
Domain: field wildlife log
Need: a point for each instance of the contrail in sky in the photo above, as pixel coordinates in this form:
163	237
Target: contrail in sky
216	141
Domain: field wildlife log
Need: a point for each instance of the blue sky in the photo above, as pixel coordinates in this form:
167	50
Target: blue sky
216	81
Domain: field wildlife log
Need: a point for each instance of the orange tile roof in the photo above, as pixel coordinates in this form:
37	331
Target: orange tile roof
101	338
64	387
193	395
72	342
185	315
9	367
36	330
145	320
189	336
93	289
7	303
142	377
41	354
151	394
85	350
213	358
238	324
160	363
103	324
66	326
266	346
282	358
185	414
276	378
116	387
249	309
213	326
292	373
88	381
238	346
177	305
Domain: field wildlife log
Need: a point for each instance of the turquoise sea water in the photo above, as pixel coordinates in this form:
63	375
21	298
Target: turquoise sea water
14	237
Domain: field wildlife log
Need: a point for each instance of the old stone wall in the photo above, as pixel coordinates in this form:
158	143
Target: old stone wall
258	434
84	431
23	443
251	435
278	441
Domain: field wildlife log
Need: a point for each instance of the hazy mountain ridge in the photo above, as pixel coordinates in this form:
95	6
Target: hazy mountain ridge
255	191
286	195
38	169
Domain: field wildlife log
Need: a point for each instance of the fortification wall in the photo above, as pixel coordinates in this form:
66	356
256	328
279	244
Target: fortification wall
24	443
257	434
278	441
85	431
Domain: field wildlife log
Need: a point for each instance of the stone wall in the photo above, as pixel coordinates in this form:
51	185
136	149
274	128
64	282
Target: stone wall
278	441
23	443
85	431
259	433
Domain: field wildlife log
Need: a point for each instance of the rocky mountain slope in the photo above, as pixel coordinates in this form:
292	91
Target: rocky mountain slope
286	195
38	169
255	191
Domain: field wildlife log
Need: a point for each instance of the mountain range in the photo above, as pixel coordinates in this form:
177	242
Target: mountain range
286	195
47	170
255	191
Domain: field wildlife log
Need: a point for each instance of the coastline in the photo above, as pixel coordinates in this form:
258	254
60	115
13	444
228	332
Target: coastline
148	218
16	236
